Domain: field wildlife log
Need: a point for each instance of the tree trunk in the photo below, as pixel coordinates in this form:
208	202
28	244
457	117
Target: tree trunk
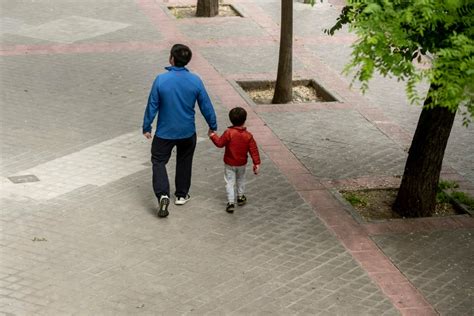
207	8
284	82
417	194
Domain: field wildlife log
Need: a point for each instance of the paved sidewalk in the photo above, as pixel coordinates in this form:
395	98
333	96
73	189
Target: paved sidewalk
83	238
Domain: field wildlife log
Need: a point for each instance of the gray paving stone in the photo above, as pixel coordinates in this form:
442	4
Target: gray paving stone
308	20
227	28
24	15
241	60
389	95
71	29
114	247
337	144
444	262
61	104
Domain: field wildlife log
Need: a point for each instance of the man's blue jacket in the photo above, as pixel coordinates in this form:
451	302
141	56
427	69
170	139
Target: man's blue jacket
173	97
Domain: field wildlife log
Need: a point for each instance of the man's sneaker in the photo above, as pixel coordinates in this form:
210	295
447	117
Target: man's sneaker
230	208
163	208
241	200
180	200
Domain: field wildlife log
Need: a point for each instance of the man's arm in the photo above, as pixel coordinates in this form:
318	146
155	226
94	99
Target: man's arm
151	109
206	108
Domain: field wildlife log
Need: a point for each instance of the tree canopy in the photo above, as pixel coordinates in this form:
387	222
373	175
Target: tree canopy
392	34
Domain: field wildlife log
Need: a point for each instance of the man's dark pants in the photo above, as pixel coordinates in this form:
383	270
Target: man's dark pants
161	153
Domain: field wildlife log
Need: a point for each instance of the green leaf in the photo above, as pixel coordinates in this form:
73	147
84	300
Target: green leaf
394	33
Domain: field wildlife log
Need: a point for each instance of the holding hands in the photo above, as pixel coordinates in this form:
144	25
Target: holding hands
210	132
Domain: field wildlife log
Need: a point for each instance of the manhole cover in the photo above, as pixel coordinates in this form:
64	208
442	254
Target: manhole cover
24	179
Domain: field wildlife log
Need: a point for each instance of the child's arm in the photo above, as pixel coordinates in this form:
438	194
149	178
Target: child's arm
253	149
219	141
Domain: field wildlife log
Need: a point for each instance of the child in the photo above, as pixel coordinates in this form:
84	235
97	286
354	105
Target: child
238	142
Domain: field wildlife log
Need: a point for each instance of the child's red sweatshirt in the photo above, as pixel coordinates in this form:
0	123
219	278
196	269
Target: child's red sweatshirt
238	142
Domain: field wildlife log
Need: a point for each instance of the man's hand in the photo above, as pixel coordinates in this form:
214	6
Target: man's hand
210	132
256	168
147	135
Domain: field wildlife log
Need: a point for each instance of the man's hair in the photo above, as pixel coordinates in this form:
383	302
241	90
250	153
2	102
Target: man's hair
181	55
238	116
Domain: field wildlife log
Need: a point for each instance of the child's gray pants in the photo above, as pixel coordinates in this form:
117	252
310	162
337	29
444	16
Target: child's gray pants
234	177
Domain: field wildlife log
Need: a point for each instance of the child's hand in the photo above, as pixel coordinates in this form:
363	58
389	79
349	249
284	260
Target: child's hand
210	133
256	168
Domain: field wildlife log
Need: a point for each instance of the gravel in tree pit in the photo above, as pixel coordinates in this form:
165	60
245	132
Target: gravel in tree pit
301	94
225	10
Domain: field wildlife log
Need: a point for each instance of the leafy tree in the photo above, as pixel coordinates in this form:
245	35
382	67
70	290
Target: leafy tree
207	8
393	37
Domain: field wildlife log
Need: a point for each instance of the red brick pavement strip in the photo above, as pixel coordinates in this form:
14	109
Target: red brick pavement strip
15	50
158	17
264	20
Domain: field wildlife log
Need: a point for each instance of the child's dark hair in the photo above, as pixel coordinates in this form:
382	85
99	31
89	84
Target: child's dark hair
238	116
181	55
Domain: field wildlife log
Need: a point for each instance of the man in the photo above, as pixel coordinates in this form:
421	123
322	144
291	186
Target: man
173	97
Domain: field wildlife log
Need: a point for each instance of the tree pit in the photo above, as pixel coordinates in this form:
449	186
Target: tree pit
376	204
185	12
304	91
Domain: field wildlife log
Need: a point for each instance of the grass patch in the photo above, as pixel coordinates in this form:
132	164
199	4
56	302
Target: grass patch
447	191
354	199
441	195
446	184
463	198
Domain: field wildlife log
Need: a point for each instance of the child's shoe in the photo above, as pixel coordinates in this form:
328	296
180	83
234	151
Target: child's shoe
230	208
241	200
